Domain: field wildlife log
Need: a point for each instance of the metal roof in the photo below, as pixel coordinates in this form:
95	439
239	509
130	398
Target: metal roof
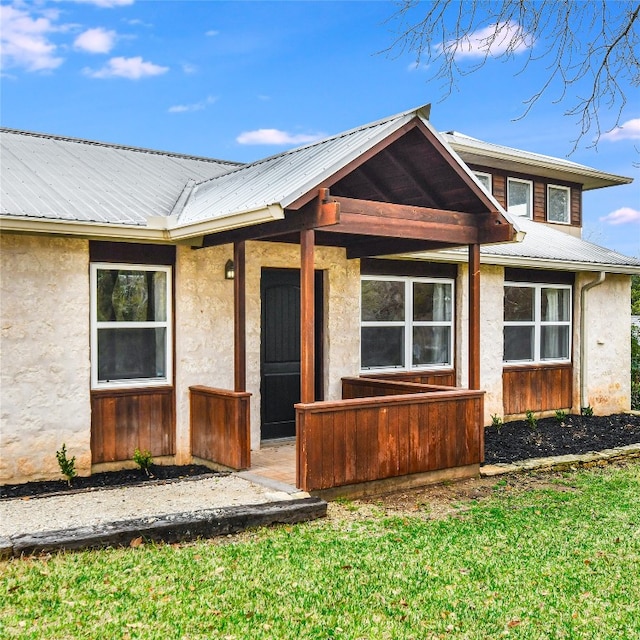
544	246
283	178
67	179
475	151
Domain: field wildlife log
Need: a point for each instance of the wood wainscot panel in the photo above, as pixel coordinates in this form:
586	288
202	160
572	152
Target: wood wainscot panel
220	429
123	420
444	377
537	388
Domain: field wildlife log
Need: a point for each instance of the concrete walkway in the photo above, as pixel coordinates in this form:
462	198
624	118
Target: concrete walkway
168	511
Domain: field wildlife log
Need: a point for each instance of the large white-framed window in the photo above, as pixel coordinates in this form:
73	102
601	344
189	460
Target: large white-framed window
406	323
484	179
131	328
520	197
537	322
558	204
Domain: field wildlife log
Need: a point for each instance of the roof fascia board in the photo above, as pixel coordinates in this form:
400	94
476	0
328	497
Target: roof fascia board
159	229
544	163
445	255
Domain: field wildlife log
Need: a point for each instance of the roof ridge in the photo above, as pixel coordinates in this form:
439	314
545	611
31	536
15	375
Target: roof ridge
114	145
309	145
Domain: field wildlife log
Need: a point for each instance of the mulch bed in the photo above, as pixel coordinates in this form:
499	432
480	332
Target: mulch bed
124	477
551	437
511	442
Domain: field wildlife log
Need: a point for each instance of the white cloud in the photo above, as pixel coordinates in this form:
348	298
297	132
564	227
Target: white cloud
275	136
196	106
625	215
24	40
493	40
95	40
629	130
189	68
212	32
131	68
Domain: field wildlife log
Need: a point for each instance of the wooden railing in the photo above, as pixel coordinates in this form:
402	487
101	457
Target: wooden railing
220	428
446	377
366	439
365	387
125	419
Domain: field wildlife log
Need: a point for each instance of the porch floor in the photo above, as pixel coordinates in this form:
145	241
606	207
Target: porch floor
276	461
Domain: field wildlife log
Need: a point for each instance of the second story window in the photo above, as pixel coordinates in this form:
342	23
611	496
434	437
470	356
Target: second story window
558	204
519	197
484	179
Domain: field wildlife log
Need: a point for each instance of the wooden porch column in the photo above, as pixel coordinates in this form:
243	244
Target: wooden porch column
239	318
307	320
474	316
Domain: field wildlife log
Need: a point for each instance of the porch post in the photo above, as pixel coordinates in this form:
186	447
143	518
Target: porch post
307	320
239	318
474	316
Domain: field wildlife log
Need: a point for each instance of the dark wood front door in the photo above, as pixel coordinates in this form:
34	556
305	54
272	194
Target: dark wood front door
280	350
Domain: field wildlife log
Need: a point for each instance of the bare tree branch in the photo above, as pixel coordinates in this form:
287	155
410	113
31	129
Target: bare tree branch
590	49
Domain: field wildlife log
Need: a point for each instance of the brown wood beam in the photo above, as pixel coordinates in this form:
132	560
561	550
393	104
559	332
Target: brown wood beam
393	211
239	318
474	316
356	224
321	214
307	312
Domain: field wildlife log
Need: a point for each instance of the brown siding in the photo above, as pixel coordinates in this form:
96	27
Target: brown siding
499	187
445	378
220	426
123	420
537	388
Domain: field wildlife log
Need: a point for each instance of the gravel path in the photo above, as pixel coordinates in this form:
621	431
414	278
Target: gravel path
122	503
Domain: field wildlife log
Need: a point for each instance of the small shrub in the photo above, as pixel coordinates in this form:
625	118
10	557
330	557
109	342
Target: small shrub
67	465
143	459
532	421
587	411
496	421
561	415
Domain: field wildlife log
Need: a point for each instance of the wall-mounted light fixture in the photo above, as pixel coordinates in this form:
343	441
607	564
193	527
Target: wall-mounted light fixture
229	270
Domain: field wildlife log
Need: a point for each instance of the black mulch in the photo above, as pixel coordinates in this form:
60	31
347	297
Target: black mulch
551	437
512	441
105	479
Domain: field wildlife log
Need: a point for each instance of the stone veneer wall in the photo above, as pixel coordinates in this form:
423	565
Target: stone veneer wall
204	322
44	357
608	344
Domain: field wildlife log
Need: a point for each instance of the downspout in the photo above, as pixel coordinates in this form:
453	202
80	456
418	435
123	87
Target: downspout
584	396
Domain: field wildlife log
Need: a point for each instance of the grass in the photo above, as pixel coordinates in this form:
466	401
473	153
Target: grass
552	563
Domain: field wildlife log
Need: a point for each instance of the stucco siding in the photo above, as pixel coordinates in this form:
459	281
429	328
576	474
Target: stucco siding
44	357
607	344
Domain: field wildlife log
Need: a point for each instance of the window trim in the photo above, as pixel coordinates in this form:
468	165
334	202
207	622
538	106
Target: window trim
95	325
408	323
529	204
537	323
484	174
568	191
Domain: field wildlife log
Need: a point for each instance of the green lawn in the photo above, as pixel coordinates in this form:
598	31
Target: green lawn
555	563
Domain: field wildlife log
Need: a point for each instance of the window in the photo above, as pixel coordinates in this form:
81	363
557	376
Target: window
537	322
519	197
406	323
558	204
131	340
484	179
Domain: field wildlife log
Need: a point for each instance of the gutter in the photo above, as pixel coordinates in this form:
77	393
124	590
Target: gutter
584	392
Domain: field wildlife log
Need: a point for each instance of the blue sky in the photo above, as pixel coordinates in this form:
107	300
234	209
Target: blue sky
244	80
